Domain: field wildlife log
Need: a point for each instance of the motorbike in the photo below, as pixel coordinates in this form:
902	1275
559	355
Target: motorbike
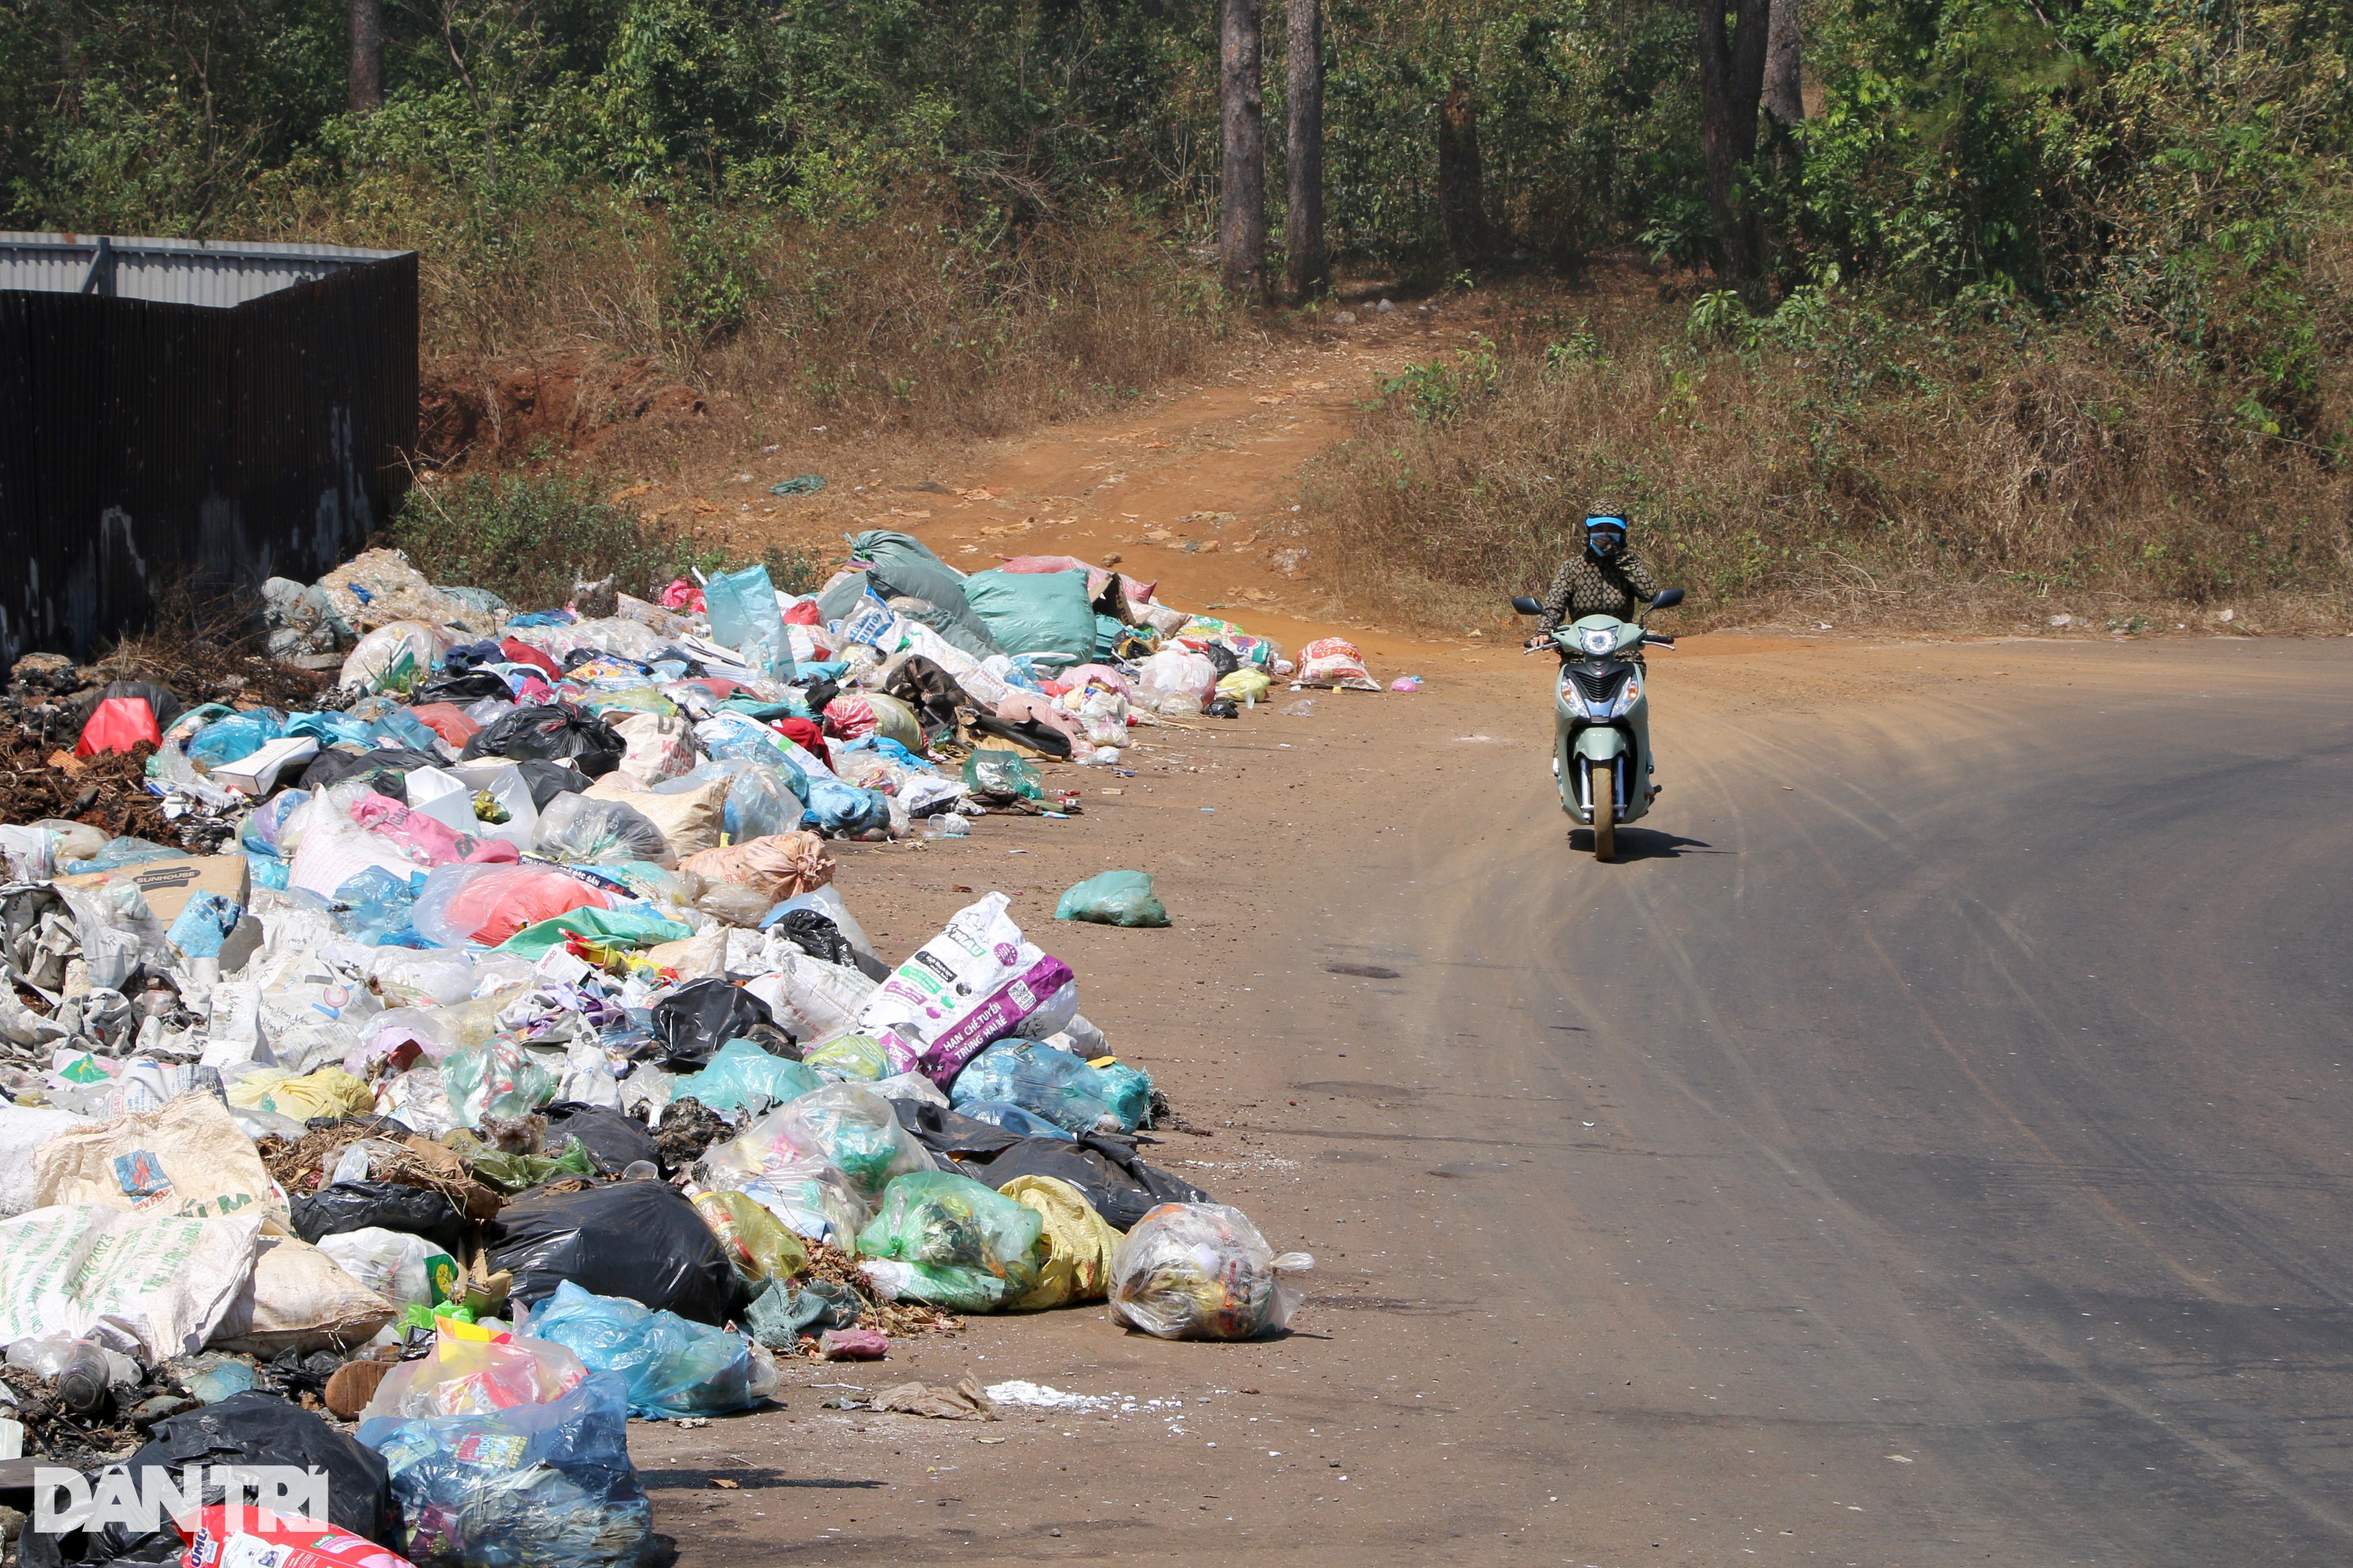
1601	718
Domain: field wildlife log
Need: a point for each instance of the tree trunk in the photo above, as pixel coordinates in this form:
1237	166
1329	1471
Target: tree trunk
1241	208
1461	193
1303	235
367	55
1732	80
1784	94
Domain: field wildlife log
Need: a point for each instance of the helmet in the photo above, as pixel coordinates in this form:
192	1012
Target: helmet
1605	528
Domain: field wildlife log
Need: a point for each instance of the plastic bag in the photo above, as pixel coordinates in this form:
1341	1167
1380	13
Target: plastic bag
1201	1271
494	1078
743	1077
152	1285
405	1271
638	1239
807	1195
117	724
1175	681
1041	1080
1075	1261
762	800
1114	898
1002	773
329	1092
583	829
1012	1117
341	1208
1128	1091
534	1485
858	1058
852	1129
755	1240
745	616
393	658
694	1021
1035	612
673	1367
545	733
233	738
512	1173
488	904
614	1140
222	1537
950	1241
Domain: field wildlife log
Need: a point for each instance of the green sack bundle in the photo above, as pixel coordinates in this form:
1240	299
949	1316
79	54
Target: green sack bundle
1114	898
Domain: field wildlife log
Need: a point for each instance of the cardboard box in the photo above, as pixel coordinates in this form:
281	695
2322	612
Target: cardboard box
168	885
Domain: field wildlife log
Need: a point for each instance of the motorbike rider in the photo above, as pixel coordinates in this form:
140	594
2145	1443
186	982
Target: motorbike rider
1608	579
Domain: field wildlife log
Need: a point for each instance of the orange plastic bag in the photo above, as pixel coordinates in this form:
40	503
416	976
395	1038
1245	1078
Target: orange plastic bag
116	725
448	720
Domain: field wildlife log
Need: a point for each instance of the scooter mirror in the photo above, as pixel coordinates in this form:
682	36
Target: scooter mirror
1668	599
1528	606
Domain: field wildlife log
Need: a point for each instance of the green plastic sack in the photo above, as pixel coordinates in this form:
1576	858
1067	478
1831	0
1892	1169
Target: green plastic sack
951	1242
1002	773
514	1173
785	1312
740	1076
858	1058
1114	898
1035	612
494	1078
614	928
904	567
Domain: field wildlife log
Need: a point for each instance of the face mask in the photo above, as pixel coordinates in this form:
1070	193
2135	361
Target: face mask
1604	544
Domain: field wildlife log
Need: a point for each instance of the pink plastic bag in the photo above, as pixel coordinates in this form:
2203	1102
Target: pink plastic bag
682	595
424	840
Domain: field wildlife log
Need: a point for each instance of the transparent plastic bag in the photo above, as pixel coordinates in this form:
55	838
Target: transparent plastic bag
743	1077
854	1130
807	1195
672	1367
494	1078
1040	1079
950	1241
585	831
1201	1271
462	1375
856	1058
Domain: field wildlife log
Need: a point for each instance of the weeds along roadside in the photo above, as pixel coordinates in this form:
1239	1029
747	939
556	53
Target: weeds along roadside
1837	463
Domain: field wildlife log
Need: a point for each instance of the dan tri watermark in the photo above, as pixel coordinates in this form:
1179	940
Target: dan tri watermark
151	1501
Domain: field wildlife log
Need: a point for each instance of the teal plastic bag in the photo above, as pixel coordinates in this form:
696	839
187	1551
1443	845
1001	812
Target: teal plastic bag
1114	898
673	1367
989	772
953	1242
1035	612
743	617
1128	1091
743	1077
234	739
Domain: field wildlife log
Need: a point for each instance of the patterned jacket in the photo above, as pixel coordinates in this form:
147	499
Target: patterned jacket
1586	586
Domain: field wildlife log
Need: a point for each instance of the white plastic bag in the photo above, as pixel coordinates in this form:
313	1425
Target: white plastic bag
1175	681
396	1266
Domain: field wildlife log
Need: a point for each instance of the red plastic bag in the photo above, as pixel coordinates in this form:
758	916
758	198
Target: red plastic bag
521	652
682	595
804	613
448	720
488	904
259	1538
116	725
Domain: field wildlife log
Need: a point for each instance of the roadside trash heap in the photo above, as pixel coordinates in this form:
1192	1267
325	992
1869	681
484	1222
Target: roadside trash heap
519	1068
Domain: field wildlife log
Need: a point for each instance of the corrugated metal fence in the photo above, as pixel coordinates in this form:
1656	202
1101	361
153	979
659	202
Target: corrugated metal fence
144	440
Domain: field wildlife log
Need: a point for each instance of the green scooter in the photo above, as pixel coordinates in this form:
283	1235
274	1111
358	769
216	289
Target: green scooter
1601	718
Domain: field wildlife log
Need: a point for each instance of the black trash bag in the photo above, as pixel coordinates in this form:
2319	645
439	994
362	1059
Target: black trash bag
772	1039
694	1021
640	1239
385	770
548	780
1223	658
1037	737
344	1207
1223	708
952	1132
1122	1188
544	733
296	1373
818	936
614	1139
463	687
249	1428
162	701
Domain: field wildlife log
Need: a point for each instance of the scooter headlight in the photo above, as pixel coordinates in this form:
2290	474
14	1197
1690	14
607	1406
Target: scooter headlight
1599	639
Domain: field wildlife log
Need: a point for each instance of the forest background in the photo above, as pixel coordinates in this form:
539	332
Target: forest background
1921	310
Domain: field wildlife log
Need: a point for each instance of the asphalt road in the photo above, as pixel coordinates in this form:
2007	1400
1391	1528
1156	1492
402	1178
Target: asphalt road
1925	1147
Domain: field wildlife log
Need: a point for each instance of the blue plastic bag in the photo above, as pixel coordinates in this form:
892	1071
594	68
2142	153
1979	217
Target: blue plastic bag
672	1367
1128	1091
204	923
1012	1117
1040	1079
235	738
381	907
840	807
329	729
740	1076
743	617
534	1486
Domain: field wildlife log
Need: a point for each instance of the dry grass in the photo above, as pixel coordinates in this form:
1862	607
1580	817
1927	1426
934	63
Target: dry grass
1870	475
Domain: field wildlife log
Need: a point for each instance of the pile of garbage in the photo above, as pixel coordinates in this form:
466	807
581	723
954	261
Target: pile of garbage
519	1068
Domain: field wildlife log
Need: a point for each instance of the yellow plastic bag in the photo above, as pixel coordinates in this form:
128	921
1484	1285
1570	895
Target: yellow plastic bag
1079	1244
1245	684
755	1240
329	1092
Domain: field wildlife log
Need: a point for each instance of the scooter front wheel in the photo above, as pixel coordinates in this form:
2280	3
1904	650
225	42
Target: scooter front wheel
1605	812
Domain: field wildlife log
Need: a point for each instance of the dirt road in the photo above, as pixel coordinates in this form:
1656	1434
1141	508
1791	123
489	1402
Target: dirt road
1926	1148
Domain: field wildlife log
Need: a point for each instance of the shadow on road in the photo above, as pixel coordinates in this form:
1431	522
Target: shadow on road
1641	844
